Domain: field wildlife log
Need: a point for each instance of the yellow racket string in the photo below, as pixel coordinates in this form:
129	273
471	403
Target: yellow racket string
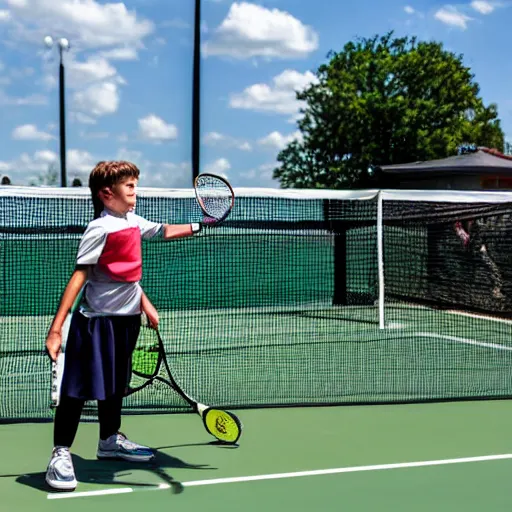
146	355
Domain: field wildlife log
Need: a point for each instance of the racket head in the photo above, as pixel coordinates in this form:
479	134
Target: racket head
215	196
145	361
223	425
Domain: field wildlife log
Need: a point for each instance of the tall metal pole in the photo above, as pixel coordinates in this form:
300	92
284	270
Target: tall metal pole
63	177
196	94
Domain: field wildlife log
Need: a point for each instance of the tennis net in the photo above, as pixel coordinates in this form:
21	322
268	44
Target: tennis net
299	298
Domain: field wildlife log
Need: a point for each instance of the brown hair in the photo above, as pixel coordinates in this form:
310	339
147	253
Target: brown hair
108	174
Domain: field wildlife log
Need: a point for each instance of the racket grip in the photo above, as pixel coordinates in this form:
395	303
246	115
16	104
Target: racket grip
57	372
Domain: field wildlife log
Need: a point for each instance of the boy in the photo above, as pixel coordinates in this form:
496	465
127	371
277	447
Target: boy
105	326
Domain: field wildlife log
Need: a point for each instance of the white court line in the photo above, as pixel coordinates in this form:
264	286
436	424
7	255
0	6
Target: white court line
462	340
297	474
479	317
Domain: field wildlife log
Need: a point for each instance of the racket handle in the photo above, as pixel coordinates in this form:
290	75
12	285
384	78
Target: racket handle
57	372
201	408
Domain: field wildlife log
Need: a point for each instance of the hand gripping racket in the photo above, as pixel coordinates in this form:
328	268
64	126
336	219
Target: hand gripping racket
215	197
149	359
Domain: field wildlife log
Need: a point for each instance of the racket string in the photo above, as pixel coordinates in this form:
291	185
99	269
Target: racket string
214	195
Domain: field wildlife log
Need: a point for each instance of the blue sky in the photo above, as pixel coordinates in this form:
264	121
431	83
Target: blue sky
129	76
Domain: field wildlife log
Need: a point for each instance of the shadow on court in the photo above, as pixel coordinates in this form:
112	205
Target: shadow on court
112	472
218	444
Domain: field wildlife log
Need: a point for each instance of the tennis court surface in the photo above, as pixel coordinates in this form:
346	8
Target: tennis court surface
442	457
366	349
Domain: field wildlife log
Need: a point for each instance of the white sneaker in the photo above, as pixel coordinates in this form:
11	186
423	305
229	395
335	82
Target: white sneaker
60	473
118	446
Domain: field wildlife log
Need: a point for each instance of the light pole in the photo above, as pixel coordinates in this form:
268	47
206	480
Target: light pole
63	45
196	93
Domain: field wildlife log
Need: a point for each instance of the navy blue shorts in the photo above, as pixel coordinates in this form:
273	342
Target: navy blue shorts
98	356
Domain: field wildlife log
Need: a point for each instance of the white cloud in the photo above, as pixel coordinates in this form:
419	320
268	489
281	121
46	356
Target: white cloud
451	16
95	82
30	168
482	6
130	155
411	11
79	162
277	140
4	15
94	135
245	146
97	100
45	156
22	73
27	168
175	23
79	117
166	175
94	69
155	128
87	23
122	53
30	132
226	141
4	166
219	166
21	101
261	176
213	138
251	30
279	97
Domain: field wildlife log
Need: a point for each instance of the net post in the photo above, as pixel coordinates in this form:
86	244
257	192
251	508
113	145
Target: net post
380	258
339	230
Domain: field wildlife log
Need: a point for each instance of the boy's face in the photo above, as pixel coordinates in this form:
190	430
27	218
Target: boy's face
122	196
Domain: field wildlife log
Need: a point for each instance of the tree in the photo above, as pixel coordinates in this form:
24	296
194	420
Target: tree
384	101
508	148
49	178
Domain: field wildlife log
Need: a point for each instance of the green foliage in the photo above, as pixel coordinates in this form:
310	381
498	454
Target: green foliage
385	101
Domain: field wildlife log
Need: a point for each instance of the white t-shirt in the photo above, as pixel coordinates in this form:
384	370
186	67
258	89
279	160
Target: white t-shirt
111	246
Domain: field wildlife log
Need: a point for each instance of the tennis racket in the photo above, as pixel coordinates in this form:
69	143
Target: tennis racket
150	365
215	197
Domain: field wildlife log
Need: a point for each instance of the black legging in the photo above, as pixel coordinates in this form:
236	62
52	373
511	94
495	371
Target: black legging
67	419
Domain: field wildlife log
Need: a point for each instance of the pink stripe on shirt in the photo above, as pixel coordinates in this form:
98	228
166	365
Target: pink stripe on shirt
121	258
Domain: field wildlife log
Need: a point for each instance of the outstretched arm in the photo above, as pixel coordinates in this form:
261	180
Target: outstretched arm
171	231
